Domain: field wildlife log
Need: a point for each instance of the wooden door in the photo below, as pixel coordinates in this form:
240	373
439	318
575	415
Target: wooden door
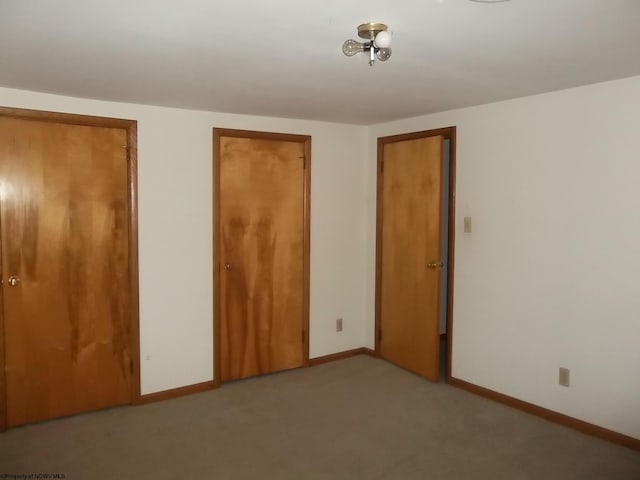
409	254
261	254
65	268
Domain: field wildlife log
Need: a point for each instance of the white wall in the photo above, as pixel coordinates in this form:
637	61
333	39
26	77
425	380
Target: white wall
175	230
550	275
548	278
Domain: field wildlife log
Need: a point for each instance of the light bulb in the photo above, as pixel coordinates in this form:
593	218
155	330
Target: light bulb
383	39
383	54
351	47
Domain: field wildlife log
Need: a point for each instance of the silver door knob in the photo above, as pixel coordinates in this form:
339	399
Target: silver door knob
227	266
13	280
435	264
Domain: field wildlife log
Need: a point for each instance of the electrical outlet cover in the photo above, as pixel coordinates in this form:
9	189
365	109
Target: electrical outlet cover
563	377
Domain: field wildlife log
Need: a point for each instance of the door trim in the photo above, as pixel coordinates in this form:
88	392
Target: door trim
217	263
131	127
450	134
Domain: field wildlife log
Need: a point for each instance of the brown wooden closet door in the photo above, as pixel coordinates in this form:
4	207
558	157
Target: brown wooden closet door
65	286
261	227
410	272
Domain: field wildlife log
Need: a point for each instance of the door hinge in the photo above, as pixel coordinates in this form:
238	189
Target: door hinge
131	366
302	336
380	335
304	162
381	166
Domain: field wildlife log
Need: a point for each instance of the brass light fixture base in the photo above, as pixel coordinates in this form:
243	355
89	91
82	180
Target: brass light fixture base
370	30
376	45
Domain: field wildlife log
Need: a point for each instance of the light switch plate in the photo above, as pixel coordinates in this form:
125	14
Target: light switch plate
467	224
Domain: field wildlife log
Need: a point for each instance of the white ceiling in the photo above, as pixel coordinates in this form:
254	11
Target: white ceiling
283	57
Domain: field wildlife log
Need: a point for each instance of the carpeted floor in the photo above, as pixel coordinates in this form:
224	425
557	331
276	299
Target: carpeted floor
359	418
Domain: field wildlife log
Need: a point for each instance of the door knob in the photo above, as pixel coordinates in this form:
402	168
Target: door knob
227	266
13	280
435	264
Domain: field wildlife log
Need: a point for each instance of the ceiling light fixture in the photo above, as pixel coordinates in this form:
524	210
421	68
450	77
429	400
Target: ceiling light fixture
377	45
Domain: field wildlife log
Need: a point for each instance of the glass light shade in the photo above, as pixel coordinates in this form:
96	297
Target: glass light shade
351	47
383	54
383	39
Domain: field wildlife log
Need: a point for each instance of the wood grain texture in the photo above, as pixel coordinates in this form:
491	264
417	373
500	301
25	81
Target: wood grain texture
410	238
339	356
3	377
262	299
68	118
134	295
65	233
176	392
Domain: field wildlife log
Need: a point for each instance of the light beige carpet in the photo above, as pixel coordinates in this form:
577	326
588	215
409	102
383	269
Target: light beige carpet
359	418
